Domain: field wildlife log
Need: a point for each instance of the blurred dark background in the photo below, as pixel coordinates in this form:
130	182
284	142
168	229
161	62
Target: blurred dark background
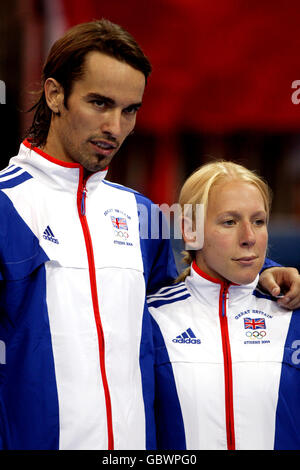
221	87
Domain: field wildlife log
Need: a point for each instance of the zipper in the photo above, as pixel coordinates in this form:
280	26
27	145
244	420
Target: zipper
83	198
227	367
81	207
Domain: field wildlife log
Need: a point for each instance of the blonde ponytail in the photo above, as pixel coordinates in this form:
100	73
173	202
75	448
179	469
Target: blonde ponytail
188	258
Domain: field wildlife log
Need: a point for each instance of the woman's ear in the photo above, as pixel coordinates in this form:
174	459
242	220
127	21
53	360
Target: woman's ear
193	239
188	234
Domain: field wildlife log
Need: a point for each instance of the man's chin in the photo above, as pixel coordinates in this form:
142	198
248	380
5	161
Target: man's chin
93	167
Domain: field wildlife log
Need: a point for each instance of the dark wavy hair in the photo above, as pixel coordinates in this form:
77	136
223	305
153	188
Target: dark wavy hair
65	63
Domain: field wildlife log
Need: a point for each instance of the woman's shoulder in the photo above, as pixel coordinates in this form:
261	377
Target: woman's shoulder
168	295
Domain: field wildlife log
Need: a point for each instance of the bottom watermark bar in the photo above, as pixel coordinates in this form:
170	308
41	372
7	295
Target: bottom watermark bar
149	459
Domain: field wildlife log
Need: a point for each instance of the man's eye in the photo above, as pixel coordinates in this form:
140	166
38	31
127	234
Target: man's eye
98	104
130	110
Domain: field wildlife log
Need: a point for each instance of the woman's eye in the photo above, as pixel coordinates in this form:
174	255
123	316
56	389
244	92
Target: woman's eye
228	223
260	222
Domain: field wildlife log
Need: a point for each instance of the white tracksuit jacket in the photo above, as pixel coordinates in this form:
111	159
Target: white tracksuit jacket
76	369
227	367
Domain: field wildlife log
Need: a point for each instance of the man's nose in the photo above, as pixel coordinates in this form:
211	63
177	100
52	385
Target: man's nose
112	122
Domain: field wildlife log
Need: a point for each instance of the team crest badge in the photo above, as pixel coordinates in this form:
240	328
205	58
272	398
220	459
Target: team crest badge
254	323
120	228
255	328
119	223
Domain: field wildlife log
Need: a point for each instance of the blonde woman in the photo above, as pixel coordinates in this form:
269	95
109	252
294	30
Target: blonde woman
227	355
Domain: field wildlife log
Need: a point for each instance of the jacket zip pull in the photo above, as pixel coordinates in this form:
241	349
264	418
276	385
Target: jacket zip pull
224	298
83	198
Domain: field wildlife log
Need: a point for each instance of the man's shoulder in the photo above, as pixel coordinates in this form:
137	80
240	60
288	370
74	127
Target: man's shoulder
12	176
141	198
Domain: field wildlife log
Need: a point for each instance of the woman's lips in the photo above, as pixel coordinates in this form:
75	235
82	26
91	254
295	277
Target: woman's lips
246	260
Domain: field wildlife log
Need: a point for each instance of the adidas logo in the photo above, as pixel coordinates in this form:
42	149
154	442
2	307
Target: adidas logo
49	235
187	337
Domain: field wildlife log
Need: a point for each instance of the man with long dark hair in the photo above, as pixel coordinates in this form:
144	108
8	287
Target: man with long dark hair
78	372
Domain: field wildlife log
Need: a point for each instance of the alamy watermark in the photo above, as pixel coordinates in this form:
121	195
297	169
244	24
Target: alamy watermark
2	92
185	223
2	352
296	353
296	94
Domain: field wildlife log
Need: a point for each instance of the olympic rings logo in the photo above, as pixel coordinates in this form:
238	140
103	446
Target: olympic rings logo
255	334
121	234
